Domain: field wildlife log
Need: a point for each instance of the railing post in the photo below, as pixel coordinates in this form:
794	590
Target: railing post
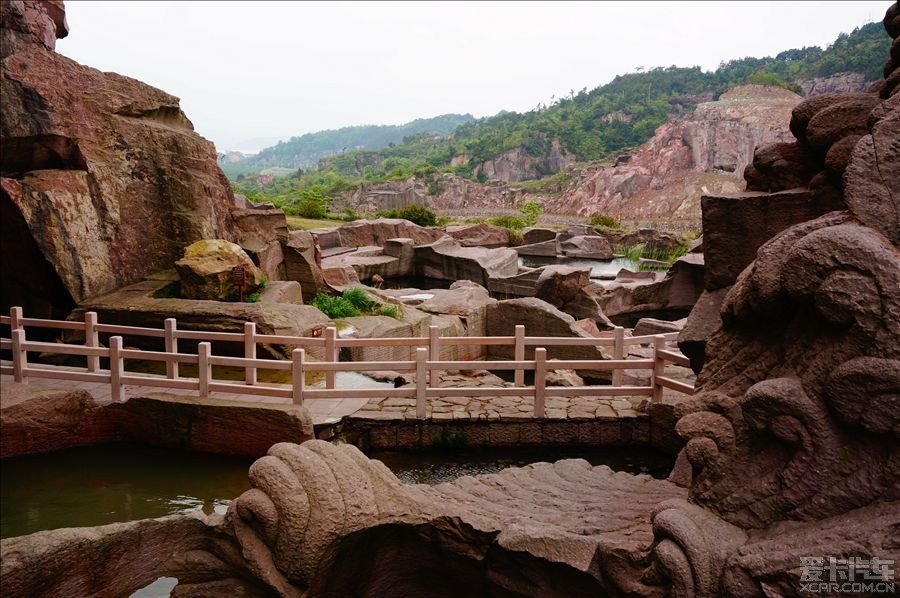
204	368
519	354
421	382
618	353
91	339
659	344
116	369
15	318
250	352
434	353
297	375
331	355
19	354
540	381
171	347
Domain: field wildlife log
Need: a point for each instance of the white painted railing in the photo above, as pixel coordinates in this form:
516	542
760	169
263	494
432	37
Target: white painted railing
426	362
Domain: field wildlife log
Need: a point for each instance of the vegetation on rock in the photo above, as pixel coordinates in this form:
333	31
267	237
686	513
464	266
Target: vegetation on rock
353	302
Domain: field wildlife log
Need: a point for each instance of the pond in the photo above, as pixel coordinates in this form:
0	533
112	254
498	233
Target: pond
123	482
111	483
598	268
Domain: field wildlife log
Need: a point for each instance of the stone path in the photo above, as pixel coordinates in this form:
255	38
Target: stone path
510	408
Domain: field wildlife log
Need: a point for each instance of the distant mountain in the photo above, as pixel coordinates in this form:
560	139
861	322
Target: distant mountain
305	151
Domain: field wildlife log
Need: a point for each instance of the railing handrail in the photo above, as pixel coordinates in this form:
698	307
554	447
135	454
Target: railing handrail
427	360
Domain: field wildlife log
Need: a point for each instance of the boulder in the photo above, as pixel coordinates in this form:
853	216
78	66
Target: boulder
93	196
375	232
808	108
625	301
205	270
842	118
559	285
300	263
534	235
541	249
261	233
479	235
592	247
447	260
736	225
650	238
282	291
377	327
780	166
341	277
540	319
648	326
365	264
404	251
563	377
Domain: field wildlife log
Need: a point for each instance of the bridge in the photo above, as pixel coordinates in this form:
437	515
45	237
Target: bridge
321	355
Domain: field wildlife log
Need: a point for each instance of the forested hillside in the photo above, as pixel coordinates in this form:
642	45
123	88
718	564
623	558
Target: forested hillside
306	150
590	125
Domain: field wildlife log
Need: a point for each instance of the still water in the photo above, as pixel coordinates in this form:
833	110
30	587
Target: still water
598	268
106	484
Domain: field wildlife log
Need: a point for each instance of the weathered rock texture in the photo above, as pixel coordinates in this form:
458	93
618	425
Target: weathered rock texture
39	419
205	271
103	178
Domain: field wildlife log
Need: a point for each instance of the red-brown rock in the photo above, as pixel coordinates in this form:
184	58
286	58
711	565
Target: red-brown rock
103	175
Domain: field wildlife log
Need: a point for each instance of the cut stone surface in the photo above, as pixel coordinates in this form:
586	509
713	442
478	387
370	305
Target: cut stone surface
592	247
282	291
300	263
479	235
736	225
445	259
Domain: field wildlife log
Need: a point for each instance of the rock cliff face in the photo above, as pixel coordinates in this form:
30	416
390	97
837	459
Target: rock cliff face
848	82
704	151
103	178
518	165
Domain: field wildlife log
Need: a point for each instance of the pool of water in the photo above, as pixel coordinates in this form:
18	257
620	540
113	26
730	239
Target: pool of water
112	483
598	268
437	467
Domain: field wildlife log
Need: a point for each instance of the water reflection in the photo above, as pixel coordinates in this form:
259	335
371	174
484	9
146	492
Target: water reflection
106	484
598	268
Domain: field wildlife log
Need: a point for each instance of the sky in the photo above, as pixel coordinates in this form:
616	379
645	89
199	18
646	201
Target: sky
249	73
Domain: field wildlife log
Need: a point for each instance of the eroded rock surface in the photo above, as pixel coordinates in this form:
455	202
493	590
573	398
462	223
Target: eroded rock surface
90	182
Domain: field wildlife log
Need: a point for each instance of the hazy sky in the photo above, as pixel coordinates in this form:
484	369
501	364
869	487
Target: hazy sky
250	70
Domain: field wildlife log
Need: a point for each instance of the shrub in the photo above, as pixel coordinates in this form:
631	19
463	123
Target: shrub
310	208
354	302
604	221
334	307
531	210
360	299
511	222
417	214
350	215
515	237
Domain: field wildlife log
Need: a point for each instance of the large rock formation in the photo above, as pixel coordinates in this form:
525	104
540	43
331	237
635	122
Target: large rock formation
703	152
446	259
103	178
41	419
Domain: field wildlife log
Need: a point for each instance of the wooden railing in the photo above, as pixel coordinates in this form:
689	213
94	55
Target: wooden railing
426	362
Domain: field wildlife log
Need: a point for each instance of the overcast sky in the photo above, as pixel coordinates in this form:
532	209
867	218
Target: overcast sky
251	70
